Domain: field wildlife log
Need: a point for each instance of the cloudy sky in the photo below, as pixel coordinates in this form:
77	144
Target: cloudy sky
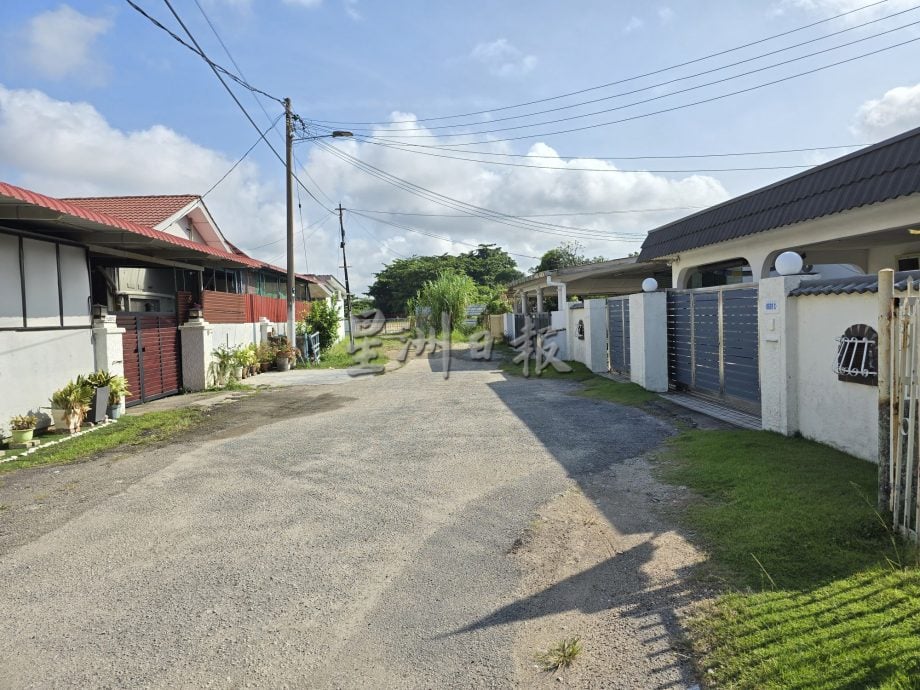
524	123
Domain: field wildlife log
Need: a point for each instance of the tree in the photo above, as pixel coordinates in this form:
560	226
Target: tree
566	255
487	266
323	318
450	293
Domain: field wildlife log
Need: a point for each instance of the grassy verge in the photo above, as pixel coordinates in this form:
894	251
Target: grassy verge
129	431
337	357
594	386
825	598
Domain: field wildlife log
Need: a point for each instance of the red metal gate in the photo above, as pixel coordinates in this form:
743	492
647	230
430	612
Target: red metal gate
151	355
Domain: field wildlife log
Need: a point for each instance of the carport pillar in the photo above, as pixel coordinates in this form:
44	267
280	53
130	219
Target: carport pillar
196	335
523	303
108	347
778	360
539	300
648	340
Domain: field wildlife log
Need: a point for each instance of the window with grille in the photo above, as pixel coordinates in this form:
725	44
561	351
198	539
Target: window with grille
857	355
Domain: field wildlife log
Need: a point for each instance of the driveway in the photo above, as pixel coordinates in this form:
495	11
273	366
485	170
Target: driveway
400	530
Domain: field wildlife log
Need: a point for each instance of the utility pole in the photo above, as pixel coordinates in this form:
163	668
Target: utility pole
351	335
289	185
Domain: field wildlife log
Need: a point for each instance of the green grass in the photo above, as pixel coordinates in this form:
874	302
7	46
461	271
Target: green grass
129	431
823	597
596	387
561	655
337	357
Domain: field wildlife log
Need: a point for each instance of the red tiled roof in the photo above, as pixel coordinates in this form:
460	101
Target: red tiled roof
71	209
145	210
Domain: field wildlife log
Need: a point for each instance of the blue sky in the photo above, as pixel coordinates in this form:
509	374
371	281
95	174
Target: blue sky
96	100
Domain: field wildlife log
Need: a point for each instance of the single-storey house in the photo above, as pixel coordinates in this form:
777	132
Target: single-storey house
138	264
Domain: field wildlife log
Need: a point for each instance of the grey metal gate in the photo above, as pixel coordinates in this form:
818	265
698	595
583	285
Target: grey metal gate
618	333
713	343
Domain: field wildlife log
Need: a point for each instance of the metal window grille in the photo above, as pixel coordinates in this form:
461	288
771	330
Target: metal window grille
856	357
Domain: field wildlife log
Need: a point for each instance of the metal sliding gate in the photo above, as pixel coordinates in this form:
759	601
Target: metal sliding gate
713	344
618	333
151	355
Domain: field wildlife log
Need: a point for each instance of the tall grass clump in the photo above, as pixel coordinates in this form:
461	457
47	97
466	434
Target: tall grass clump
450	293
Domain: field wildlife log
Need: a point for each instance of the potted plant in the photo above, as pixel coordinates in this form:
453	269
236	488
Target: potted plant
73	401
239	363
99	402
252	358
118	391
22	427
222	365
266	355
285	355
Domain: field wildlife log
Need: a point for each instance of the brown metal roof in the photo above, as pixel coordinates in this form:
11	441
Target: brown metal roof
883	171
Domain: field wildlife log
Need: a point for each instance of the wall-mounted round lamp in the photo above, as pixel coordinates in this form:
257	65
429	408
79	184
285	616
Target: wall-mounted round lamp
649	285
788	264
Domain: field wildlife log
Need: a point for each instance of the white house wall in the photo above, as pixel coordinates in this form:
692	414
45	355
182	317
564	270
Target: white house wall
839	413
34	364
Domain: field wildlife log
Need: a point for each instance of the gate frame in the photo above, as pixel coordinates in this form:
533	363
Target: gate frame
137	315
720	397
626	340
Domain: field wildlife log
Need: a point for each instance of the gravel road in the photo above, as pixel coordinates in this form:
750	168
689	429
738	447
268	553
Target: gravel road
364	536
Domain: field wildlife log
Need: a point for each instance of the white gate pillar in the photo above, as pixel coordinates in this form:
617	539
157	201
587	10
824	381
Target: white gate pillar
778	359
648	340
196	337
539	300
108	346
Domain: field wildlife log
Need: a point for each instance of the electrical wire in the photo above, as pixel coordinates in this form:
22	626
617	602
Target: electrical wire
400	226
400	137
197	50
473	210
535	215
620	81
703	101
660	84
364	229
319	223
242	158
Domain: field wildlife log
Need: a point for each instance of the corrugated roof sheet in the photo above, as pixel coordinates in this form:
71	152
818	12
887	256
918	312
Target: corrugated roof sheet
883	171
146	210
854	284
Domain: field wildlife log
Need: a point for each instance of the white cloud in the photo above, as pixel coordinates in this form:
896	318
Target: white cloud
69	149
351	9
896	111
59	43
830	8
503	59
665	15
634	24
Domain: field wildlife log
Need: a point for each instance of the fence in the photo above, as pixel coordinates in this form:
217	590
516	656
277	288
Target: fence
228	307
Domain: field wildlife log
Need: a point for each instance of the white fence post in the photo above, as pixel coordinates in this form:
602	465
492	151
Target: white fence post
778	359
196	337
108	349
648	340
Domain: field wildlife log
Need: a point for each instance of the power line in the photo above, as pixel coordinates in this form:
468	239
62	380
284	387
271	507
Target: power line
671	81
676	107
400	226
236	100
620	81
471	209
197	50
534	215
398	137
241	158
319	223
370	234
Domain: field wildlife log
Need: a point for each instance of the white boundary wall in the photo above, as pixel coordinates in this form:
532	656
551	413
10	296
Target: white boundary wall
592	349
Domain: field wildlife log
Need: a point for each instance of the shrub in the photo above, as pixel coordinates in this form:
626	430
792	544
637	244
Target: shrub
450	293
323	319
23	422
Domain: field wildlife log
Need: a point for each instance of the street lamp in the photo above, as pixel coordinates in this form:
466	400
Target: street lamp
289	182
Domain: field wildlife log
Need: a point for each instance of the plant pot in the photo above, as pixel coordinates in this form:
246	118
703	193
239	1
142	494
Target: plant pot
57	419
73	419
282	364
22	435
114	411
97	409
265	366
238	373
254	369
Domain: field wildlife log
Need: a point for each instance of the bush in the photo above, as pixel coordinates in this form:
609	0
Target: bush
449	293
323	319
